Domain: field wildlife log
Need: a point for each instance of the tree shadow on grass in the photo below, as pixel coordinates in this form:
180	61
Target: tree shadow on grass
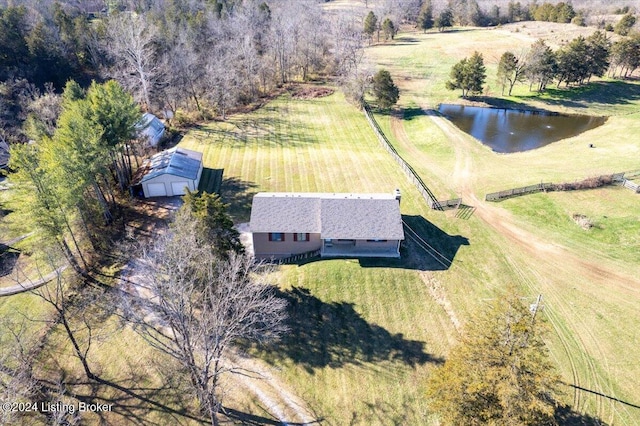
565	416
274	128
597	92
333	334
238	194
8	259
128	400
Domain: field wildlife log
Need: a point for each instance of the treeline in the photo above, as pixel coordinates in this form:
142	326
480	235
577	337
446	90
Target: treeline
469	13
70	181
575	63
177	55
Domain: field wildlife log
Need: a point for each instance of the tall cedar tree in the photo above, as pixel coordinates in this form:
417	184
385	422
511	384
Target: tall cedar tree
624	25
598	50
444	20
214	224
425	18
385	90
388	29
500	373
370	24
468	75
541	65
625	55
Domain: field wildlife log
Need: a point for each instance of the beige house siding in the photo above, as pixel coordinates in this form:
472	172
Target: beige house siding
265	249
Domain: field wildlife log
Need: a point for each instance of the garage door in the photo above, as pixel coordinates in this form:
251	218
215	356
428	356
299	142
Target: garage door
178	188
156	190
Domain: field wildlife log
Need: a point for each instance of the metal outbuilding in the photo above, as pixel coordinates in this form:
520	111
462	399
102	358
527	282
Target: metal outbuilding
170	172
150	129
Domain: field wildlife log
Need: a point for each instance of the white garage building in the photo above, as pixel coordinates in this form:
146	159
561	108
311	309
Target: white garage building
169	172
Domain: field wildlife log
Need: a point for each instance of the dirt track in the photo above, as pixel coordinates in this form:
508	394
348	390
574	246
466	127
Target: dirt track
542	266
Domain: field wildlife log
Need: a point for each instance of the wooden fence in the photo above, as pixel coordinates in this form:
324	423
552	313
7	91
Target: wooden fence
614	179
409	171
450	204
632	186
515	192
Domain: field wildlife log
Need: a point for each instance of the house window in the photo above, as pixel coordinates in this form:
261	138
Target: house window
376	241
301	236
276	236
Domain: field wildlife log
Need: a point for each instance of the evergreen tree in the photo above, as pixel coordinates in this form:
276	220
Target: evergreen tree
370	24
388	29
444	20
564	13
573	62
425	18
214	224
623	27
384	89
541	65
598	51
468	75
625	54
500	372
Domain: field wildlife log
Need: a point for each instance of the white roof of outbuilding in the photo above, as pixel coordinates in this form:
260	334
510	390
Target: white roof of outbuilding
333	215
175	161
150	126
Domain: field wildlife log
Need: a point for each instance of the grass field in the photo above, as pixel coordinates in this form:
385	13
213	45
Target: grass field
370	334
343	379
587	277
365	335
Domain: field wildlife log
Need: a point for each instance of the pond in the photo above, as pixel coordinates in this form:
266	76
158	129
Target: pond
509	130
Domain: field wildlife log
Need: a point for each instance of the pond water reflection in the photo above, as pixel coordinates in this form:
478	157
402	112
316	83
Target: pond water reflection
508	130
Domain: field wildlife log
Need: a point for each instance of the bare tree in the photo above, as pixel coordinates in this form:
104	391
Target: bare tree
131	48
202	306
17	384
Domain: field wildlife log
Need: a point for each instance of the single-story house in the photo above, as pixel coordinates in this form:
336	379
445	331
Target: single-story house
169	172
150	129
338	225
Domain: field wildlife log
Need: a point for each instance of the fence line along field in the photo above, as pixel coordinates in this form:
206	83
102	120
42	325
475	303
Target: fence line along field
370	333
579	249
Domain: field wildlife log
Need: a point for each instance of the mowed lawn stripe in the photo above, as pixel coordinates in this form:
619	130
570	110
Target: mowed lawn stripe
334	150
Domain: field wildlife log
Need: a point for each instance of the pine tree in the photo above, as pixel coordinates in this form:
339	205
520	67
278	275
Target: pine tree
468	75
444	20
425	18
500	372
388	29
370	24
541	65
624	25
384	89
214	224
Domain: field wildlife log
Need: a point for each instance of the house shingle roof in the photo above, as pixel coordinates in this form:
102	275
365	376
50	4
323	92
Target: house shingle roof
335	216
